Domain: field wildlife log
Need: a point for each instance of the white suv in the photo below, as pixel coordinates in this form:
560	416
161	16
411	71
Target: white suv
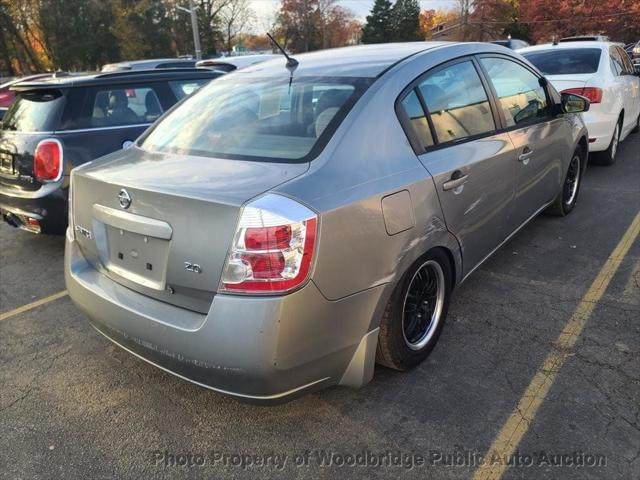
602	72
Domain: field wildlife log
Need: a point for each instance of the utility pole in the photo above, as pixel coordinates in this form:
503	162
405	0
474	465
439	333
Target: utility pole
194	26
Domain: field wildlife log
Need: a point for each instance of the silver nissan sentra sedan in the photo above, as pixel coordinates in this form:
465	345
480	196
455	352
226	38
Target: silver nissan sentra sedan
284	229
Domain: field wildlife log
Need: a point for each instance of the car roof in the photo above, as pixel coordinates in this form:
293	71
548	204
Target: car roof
147	62
110	78
565	45
356	61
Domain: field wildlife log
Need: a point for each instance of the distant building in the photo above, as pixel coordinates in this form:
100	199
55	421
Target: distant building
447	31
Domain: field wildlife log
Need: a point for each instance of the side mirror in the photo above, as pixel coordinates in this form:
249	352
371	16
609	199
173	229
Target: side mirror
637	67
572	103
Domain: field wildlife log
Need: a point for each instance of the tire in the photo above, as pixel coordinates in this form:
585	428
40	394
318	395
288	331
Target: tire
403	345
608	157
636	129
566	200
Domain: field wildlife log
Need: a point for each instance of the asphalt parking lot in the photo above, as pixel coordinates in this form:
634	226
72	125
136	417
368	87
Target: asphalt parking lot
72	405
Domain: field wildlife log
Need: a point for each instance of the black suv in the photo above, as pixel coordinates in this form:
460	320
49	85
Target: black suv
56	124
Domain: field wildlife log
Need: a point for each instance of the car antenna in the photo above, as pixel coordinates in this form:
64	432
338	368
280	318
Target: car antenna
292	63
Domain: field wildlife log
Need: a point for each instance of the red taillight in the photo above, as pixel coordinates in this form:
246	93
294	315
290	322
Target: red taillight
267	238
273	247
6	98
592	93
47	160
265	265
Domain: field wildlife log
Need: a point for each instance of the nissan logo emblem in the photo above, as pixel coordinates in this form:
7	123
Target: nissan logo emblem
124	198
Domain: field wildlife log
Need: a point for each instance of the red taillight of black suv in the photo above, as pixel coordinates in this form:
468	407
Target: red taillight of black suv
47	160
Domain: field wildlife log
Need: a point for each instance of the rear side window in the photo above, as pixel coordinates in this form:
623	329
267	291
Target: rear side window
183	88
457	102
565	61
628	66
114	106
521	97
35	111
617	66
417	119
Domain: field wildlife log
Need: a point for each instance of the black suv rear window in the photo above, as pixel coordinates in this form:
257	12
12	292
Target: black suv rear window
34	111
565	61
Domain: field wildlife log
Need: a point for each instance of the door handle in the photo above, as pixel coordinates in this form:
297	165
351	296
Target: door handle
525	155
457	180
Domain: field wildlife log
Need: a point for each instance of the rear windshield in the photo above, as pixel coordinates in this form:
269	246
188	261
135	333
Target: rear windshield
565	61
257	119
36	111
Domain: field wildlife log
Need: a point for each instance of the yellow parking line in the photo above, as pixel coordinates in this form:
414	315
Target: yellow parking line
496	459
32	305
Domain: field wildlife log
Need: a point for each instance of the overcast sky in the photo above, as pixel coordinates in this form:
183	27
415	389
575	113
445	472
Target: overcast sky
266	9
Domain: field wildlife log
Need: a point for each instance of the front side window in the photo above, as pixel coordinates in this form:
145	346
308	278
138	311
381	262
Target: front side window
257	119
457	102
520	95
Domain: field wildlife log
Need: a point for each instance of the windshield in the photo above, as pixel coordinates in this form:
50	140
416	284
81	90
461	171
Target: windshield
36	111
565	61
257	119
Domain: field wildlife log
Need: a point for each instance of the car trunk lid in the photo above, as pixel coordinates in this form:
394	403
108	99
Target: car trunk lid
16	161
161	223
32	117
564	82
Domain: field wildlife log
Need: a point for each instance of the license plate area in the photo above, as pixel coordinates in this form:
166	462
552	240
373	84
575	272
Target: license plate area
136	257
6	163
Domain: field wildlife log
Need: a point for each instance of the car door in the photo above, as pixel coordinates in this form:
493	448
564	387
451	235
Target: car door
623	90
454	125
632	90
101	119
538	135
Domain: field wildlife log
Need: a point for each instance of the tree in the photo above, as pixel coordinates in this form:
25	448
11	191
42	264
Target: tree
379	26
618	19
209	19
427	23
20	38
489	18
299	25
142	28
235	17
406	21
81	40
258	42
340	28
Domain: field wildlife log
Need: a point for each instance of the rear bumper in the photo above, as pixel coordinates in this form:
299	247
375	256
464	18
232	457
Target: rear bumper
50	210
600	127
261	350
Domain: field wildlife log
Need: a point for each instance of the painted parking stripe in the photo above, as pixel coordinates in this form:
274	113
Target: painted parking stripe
32	305
521	418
